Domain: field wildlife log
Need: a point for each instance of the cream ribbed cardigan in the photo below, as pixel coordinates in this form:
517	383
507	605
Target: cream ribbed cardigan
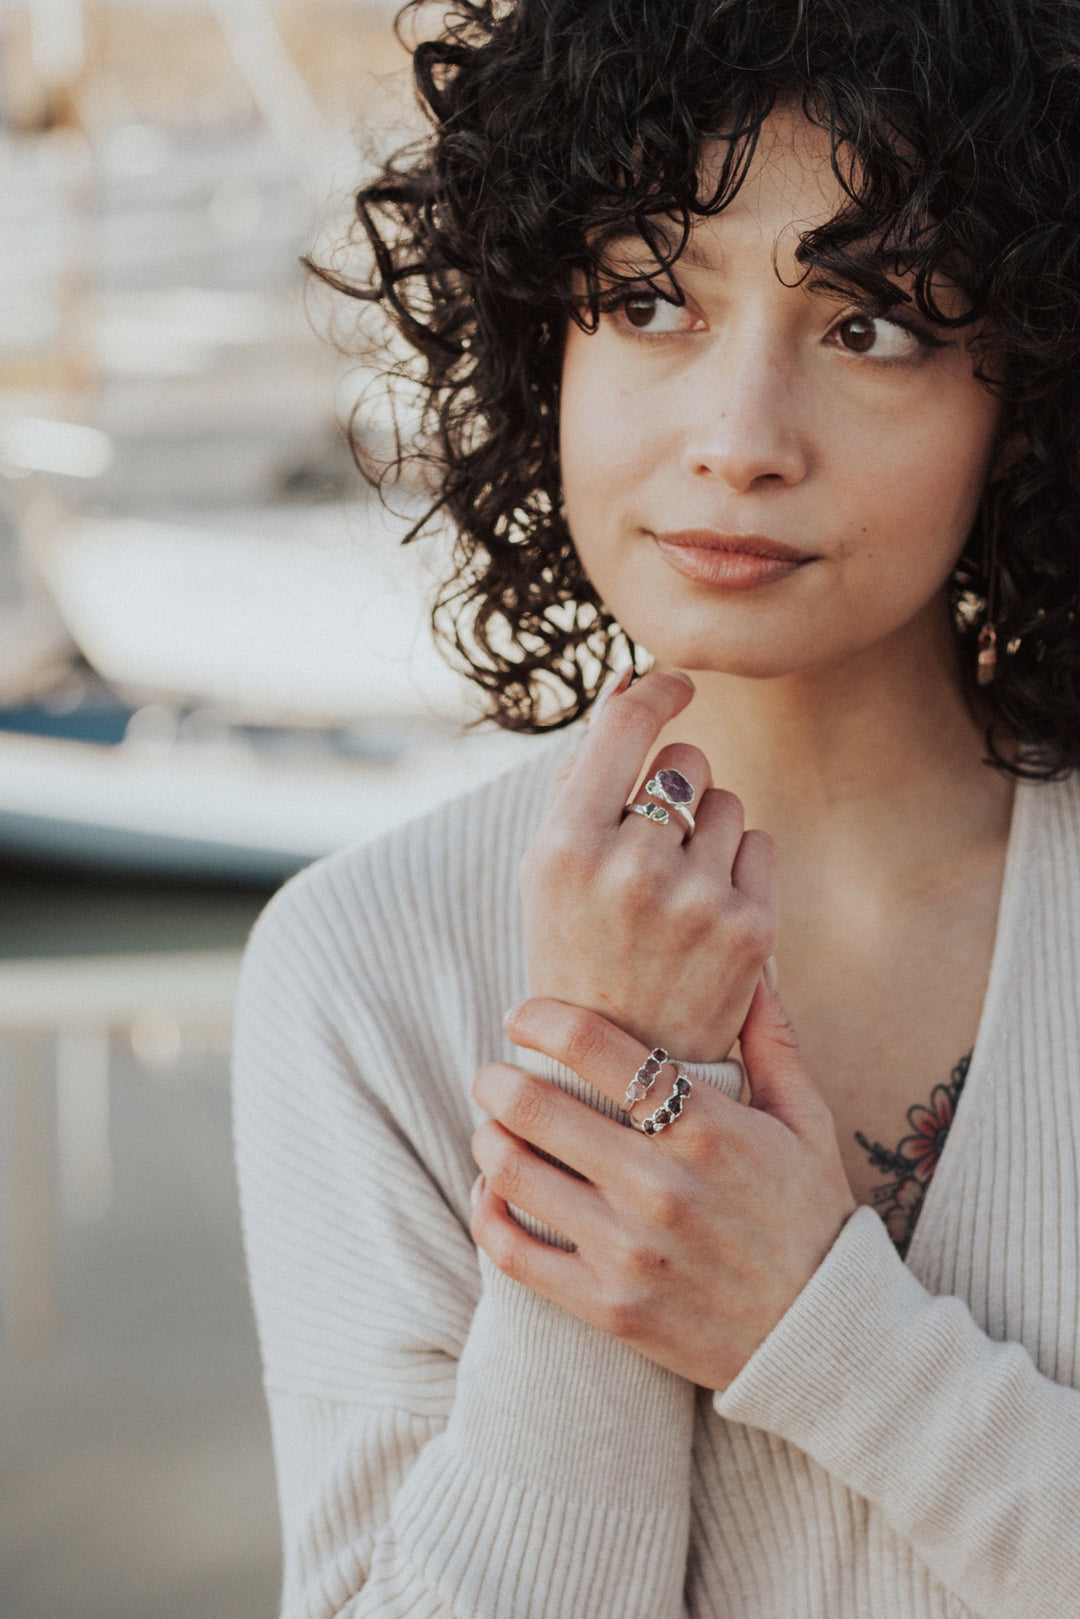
906	1442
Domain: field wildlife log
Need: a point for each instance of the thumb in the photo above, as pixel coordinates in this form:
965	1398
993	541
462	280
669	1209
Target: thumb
779	1082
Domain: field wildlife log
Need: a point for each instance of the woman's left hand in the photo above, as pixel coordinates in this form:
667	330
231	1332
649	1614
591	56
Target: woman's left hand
690	1244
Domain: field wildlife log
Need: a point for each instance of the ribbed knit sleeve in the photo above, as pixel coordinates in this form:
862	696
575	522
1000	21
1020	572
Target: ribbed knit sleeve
447	1443
972	1455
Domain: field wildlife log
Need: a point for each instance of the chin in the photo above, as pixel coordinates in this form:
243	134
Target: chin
764	656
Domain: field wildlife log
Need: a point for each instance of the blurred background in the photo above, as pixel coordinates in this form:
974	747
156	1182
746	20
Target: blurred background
215	667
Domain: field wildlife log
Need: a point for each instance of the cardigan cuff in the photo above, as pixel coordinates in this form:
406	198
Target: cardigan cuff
546	1398
817	1379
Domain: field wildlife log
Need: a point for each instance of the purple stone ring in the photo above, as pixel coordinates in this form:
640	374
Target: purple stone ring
672	788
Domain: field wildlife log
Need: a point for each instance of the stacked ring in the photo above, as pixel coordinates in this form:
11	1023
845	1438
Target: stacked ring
669	1111
645	1078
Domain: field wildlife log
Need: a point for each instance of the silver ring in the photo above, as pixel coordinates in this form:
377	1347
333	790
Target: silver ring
669	1111
645	1078
652	812
672	787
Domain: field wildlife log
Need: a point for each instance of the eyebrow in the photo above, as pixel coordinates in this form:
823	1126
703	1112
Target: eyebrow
690	255
695	258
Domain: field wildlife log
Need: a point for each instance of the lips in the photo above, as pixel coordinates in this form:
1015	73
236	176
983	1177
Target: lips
750	545
729	561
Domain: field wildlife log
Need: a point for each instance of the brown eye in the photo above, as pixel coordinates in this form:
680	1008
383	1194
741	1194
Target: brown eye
858	333
640	308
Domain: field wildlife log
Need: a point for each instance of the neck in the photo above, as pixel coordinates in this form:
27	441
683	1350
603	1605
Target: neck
871	762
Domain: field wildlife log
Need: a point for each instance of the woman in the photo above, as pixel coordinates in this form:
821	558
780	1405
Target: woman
749	334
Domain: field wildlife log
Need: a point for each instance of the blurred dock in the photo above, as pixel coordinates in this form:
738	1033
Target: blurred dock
214	667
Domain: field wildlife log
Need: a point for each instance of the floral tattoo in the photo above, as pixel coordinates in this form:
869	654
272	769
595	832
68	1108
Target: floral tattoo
911	1165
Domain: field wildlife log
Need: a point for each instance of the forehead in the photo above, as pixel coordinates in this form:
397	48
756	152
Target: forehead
789	188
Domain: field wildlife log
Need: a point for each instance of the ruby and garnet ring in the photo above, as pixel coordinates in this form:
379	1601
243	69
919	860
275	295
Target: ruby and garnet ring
643	1082
645	1078
669	1111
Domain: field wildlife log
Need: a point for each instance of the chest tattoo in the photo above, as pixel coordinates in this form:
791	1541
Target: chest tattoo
910	1166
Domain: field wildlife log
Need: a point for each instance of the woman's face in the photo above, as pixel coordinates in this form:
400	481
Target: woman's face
773	418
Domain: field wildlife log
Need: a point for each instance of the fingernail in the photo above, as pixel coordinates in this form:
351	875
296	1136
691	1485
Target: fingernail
508	1017
614	683
770	974
680	674
474	1191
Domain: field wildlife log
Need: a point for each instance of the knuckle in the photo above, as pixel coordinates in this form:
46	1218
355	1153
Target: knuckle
641	1262
529	1109
763	845
666	1204
637	871
553	855
483	1140
485	1079
660	1195
703	1150
586	1041
729	805
622	1313
698	903
759	868
502	1250
634	715
505	1170
750	931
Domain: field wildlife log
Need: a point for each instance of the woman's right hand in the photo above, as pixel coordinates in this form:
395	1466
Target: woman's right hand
665	938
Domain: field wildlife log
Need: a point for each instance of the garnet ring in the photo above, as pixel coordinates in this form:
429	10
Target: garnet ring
645	1078
669	1111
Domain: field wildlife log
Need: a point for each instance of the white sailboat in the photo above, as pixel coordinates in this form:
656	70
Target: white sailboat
254	693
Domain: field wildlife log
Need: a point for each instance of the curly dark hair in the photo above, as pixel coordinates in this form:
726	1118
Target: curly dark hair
558	125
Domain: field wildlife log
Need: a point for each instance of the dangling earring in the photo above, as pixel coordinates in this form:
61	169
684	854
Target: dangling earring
986	663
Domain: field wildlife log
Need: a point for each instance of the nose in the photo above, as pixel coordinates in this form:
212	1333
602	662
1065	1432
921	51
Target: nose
744	427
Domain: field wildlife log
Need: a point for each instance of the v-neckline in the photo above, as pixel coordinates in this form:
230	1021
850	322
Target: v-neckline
980	1068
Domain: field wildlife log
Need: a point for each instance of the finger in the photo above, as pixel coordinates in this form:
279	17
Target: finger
780	1083
677	770
600	1053
755	871
609	761
565	769
548	1119
516	1174
615	683
564	1278
719	830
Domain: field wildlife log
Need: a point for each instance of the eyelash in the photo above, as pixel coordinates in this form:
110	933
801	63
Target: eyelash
616	299
619	297
925	338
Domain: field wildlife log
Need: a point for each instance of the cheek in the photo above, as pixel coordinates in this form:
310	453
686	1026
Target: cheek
911	489
605	439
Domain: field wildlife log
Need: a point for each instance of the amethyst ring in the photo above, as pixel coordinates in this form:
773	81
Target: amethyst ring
672	788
